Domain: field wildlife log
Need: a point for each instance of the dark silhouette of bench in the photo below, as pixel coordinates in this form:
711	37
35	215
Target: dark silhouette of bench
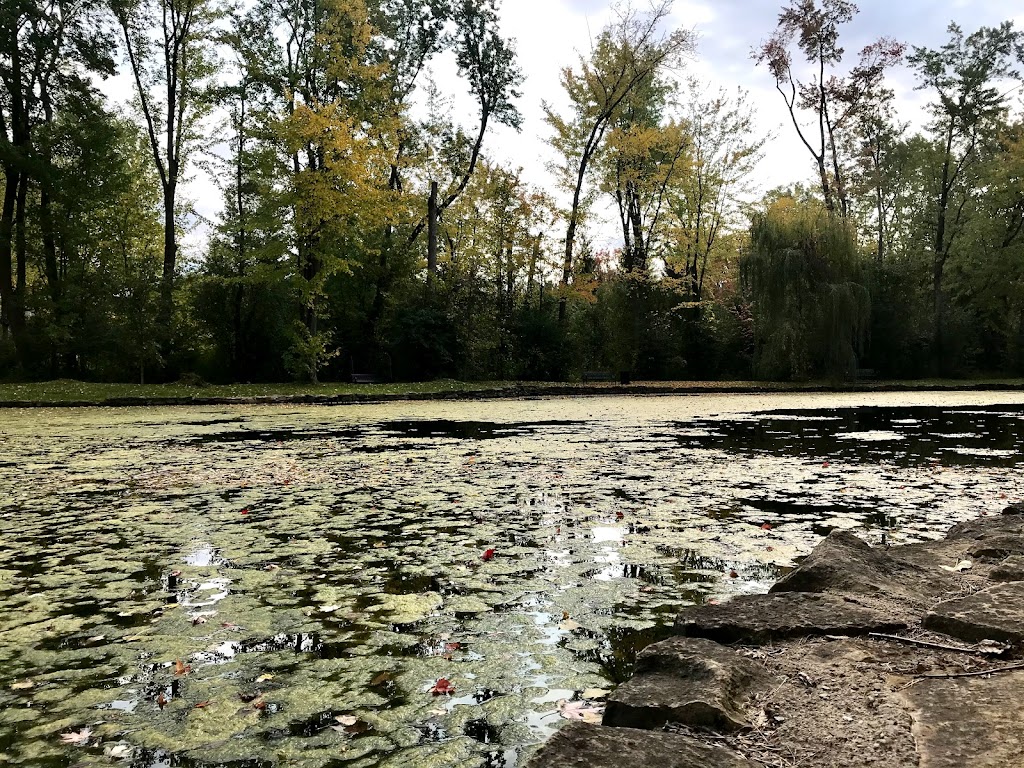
365	378
598	376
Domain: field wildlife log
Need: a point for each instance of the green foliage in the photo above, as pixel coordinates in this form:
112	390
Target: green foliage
803	275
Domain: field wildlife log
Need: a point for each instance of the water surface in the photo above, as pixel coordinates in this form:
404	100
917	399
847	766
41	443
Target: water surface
318	569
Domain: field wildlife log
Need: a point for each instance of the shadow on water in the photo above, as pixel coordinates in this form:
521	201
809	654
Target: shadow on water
975	436
469	430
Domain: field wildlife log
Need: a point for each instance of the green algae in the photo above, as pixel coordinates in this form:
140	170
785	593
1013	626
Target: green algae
330	563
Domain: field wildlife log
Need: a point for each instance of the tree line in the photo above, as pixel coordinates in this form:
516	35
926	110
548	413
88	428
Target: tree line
364	229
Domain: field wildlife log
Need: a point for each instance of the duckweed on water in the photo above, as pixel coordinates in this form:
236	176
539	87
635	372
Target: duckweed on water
308	564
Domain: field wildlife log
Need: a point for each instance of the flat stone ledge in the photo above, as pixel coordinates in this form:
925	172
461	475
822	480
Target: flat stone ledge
582	745
761	619
972	721
996	613
687	680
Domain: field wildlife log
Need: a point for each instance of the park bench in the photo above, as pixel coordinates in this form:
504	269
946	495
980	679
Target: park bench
365	378
598	376
865	374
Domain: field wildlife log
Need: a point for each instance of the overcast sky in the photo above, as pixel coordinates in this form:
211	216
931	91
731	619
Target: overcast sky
551	34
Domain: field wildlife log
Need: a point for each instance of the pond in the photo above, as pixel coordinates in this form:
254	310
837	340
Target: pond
422	584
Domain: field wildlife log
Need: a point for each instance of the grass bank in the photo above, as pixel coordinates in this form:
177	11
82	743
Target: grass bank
66	392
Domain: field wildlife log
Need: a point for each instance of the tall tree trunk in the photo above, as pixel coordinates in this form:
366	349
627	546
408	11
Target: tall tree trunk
432	232
11	298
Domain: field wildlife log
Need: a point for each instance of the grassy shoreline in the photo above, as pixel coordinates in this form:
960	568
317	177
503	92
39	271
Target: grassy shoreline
69	393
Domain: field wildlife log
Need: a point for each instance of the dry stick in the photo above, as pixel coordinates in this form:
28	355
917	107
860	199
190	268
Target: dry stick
977	673
926	644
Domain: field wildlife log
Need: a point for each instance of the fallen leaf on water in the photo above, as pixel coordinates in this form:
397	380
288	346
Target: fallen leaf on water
245	511
181	668
595	693
766	527
383	677
96	639
825	464
271	567
442	687
487	555
203	704
569	625
259	704
264	678
229	625
248	696
733	574
119	751
347	719
580	710
22	685
198	620
78	738
619	515
161	700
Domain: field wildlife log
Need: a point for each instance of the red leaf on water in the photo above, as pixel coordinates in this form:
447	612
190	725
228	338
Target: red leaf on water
161	700
487	555
766	527
181	668
770	549
442	687
245	511
203	704
619	515
733	574
825	464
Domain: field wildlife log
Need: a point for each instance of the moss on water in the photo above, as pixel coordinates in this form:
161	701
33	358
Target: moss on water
328	562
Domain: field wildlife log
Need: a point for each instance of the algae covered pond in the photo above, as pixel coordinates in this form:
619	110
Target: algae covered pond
286	586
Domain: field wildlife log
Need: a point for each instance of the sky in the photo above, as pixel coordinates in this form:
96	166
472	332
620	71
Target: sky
552	34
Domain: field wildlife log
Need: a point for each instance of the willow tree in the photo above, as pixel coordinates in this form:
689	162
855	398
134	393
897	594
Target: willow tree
802	274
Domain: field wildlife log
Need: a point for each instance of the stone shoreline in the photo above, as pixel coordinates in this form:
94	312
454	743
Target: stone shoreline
512	392
861	656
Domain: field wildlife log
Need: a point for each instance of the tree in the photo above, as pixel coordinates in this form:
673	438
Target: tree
645	152
48	52
704	200
836	102
628	55
964	75
802	274
168	45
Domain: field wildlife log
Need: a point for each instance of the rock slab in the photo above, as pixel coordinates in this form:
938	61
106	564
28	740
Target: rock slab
760	619
582	745
841	563
687	680
996	613
971	721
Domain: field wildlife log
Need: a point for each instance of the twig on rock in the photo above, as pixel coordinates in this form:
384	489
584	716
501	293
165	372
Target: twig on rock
940	646
976	673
